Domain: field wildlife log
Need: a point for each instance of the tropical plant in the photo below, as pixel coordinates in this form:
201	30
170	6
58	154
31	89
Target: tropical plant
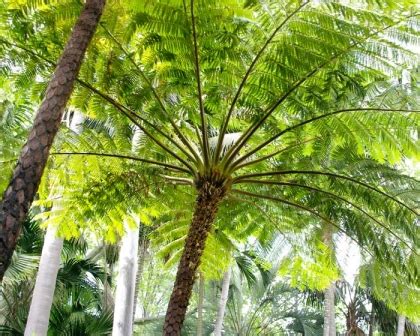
17	285
18	196
395	301
78	307
253	104
43	293
126	281
224	295
264	304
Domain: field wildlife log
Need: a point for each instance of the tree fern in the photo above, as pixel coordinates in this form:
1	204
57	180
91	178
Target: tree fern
323	128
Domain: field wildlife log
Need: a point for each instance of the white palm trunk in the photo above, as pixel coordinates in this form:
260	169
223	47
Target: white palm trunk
39	312
223	301
42	298
125	292
329	311
401	325
329	293
142	256
126	284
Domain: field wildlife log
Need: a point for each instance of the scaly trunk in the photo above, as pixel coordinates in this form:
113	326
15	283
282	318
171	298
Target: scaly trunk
126	284
401	325
329	311
200	306
27	174
222	304
42	298
209	196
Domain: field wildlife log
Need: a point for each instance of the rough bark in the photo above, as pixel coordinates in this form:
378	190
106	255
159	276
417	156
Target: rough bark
401	325
209	196
24	183
42	298
126	284
200	306
222	304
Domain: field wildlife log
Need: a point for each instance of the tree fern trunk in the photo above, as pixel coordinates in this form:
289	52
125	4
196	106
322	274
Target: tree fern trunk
222	304
42	298
200	306
401	325
20	193
209	196
126	284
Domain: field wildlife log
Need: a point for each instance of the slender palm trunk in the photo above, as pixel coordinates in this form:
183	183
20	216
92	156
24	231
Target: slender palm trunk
329	293
108	301
126	284
222	304
27	174
329	311
401	325
142	256
200	306
208	199
42	298
39	312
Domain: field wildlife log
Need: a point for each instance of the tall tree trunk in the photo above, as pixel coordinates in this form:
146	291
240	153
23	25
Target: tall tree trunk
401	325
329	293
39	312
42	298
222	304
329	311
27	174
142	256
126	284
200	306
209	196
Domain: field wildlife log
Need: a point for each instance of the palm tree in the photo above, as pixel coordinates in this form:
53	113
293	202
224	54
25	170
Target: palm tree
42	298
126	281
23	186
223	301
394	299
77	307
304	85
16	290
260	304
329	293
401	325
